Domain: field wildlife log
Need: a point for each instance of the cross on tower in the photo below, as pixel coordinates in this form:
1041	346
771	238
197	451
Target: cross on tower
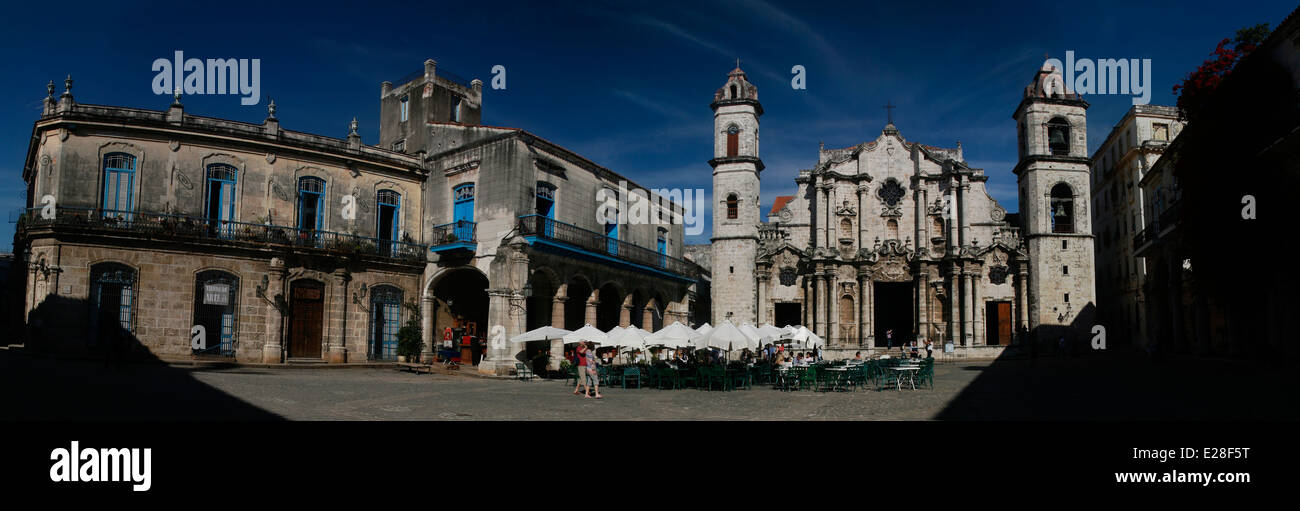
889	111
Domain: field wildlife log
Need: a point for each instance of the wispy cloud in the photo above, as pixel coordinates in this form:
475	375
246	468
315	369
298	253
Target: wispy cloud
649	104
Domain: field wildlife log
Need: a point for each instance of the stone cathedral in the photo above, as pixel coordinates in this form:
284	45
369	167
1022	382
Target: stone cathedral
892	239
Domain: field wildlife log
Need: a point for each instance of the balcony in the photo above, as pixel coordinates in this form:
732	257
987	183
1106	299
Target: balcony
596	245
458	235
161	226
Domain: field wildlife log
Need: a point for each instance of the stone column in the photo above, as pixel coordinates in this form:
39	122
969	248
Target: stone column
868	335
968	315
828	210
506	315
819	217
557	307
833	319
625	314
977	306
558	304
648	316
922	307
274	347
862	213
954	305
805	302
426	328
819	286
592	302
961	296
338	353
763	280
1022	297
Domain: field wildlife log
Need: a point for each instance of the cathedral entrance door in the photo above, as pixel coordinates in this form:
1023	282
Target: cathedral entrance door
998	322
788	314
893	310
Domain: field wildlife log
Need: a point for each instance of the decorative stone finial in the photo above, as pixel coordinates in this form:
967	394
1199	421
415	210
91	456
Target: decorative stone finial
50	88
270	109
353	130
176	97
67	86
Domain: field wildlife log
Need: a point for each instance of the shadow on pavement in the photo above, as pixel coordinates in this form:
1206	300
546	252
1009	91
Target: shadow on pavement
108	376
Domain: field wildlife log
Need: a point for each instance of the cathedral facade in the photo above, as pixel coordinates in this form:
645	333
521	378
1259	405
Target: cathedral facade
892	240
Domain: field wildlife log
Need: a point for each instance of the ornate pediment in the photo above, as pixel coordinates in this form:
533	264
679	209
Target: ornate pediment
846	209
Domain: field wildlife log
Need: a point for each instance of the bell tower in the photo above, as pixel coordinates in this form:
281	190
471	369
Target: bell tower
1053	180
735	199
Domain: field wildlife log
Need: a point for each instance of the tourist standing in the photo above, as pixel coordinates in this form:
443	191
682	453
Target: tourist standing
580	358
593	374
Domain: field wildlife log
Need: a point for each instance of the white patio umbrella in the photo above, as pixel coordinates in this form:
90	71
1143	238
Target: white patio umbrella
806	339
545	333
586	333
675	335
614	331
703	329
630	338
727	337
771	332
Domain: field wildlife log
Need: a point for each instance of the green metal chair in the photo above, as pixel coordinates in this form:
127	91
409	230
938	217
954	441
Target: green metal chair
926	374
522	372
667	378
633	374
742	379
571	374
690	377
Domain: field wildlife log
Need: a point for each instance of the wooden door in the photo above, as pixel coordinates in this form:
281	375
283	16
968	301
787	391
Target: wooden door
1004	323
308	305
998	323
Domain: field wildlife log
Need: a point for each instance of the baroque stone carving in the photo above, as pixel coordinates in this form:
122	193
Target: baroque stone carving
998	214
846	210
998	274
174	145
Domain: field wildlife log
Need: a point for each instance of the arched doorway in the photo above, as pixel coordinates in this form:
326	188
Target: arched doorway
461	302
542	302
385	320
610	307
307	310
637	318
216	296
578	291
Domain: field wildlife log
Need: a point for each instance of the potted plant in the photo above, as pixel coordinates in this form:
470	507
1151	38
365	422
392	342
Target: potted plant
409	343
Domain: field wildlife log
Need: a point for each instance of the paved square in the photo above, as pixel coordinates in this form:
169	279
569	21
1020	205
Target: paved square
1108	387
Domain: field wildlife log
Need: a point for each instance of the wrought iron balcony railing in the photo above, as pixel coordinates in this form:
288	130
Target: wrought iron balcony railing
591	241
460	231
166	226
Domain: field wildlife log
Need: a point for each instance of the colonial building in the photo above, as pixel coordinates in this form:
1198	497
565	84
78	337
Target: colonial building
1118	167
153	226
1216	204
890	240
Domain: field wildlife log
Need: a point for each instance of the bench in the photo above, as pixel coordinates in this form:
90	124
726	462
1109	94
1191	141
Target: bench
414	367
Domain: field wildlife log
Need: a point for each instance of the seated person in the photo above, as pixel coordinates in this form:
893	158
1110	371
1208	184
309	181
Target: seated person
786	363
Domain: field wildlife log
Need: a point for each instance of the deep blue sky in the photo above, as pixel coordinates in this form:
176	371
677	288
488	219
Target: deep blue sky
625	84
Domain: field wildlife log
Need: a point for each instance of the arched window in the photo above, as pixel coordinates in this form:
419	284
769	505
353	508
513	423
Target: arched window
463	203
216	295
311	199
1062	208
112	295
733	207
385	320
733	140
662	246
119	176
388	223
733	92
1058	136
219	208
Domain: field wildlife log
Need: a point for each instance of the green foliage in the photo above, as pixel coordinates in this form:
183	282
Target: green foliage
410	337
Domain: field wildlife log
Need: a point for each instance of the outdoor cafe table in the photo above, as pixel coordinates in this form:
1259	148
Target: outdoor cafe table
910	374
